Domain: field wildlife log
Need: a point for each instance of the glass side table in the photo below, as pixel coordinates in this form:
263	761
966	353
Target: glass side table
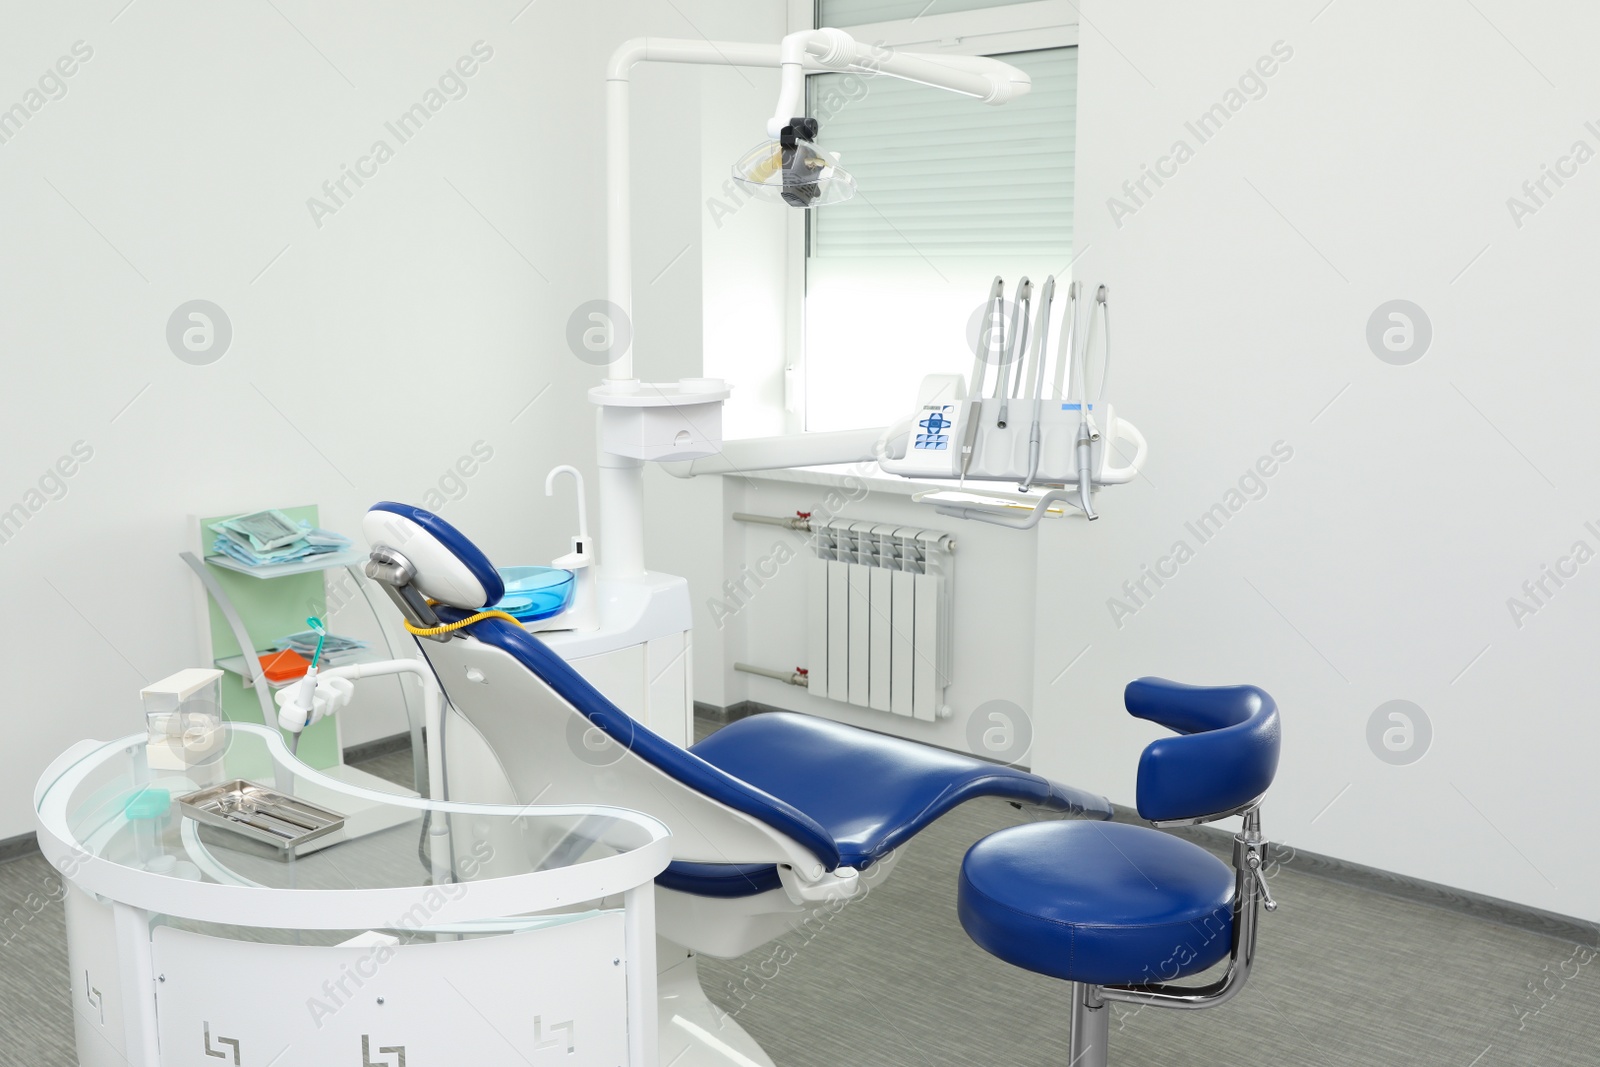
228	911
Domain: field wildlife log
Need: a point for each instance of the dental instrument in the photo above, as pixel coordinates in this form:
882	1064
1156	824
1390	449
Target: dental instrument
1068	344
997	509
984	346
315	625
1088	432
1020	314
1036	379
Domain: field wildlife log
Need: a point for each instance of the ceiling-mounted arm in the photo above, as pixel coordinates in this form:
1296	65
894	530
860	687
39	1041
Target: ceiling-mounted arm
988	80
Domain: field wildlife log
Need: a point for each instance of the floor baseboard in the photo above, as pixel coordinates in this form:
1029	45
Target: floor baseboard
1402	887
14	848
381	746
732	713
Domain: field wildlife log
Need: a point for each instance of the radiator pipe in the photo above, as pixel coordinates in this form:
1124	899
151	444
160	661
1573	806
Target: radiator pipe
801	520
794	677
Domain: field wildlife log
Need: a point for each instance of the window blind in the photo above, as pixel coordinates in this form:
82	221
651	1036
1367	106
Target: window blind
942	175
863	12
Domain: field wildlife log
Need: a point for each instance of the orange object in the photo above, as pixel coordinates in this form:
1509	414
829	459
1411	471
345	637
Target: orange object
284	666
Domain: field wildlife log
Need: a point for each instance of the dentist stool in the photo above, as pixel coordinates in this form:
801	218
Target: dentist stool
1120	911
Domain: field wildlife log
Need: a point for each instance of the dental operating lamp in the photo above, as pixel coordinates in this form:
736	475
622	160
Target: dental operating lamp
643	421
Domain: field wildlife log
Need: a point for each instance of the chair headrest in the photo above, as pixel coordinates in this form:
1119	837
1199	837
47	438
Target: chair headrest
1226	757
450	568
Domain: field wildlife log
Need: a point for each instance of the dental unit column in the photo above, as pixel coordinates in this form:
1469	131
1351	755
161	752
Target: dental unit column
622	477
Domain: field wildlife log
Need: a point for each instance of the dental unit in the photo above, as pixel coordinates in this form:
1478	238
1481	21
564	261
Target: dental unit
558	701
759	843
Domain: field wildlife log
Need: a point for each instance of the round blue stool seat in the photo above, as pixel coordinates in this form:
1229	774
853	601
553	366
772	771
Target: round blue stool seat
1096	902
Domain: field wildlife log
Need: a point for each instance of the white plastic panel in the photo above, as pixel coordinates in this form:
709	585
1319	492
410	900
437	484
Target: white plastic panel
667	667
95	983
549	995
620	676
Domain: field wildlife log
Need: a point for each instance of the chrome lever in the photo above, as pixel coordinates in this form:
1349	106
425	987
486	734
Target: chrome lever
1253	861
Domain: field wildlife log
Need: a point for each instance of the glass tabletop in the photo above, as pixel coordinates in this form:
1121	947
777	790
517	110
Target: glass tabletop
230	806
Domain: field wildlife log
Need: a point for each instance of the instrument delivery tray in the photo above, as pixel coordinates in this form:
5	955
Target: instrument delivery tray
260	814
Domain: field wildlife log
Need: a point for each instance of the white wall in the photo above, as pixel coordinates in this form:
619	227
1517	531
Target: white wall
374	350
1378	564
1376	166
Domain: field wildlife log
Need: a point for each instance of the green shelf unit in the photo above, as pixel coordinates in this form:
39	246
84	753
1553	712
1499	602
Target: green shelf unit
267	605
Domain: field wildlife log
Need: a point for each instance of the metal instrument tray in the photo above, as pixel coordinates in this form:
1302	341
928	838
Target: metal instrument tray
260	814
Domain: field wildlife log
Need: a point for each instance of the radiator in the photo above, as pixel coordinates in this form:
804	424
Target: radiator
879	617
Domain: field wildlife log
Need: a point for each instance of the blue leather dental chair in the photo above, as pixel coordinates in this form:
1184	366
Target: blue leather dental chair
772	817
1122	911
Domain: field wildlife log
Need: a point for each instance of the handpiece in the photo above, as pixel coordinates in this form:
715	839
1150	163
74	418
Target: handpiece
1018	348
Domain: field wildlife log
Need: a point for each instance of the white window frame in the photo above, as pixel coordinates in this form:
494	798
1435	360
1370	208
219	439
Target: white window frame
1022	27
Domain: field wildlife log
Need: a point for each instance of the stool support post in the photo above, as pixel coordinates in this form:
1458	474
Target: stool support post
1250	889
1091	1027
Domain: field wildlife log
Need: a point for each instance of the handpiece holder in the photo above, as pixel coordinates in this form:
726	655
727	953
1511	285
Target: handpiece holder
1063	452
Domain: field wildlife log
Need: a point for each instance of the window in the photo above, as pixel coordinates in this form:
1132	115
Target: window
950	193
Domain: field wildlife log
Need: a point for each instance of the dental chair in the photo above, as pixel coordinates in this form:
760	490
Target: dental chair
773	817
1121	911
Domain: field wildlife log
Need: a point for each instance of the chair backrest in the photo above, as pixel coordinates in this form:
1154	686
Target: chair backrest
1225	757
535	712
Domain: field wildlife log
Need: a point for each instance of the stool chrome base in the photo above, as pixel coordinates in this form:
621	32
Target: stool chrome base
1091	1027
1091	1004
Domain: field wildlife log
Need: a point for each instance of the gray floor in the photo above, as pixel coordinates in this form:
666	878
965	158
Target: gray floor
1344	977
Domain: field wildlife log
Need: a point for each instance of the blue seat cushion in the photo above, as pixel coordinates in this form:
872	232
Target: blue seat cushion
871	792
850	795
1101	903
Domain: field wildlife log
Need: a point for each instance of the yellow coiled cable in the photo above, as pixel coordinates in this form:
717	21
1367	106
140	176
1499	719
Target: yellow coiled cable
435	631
